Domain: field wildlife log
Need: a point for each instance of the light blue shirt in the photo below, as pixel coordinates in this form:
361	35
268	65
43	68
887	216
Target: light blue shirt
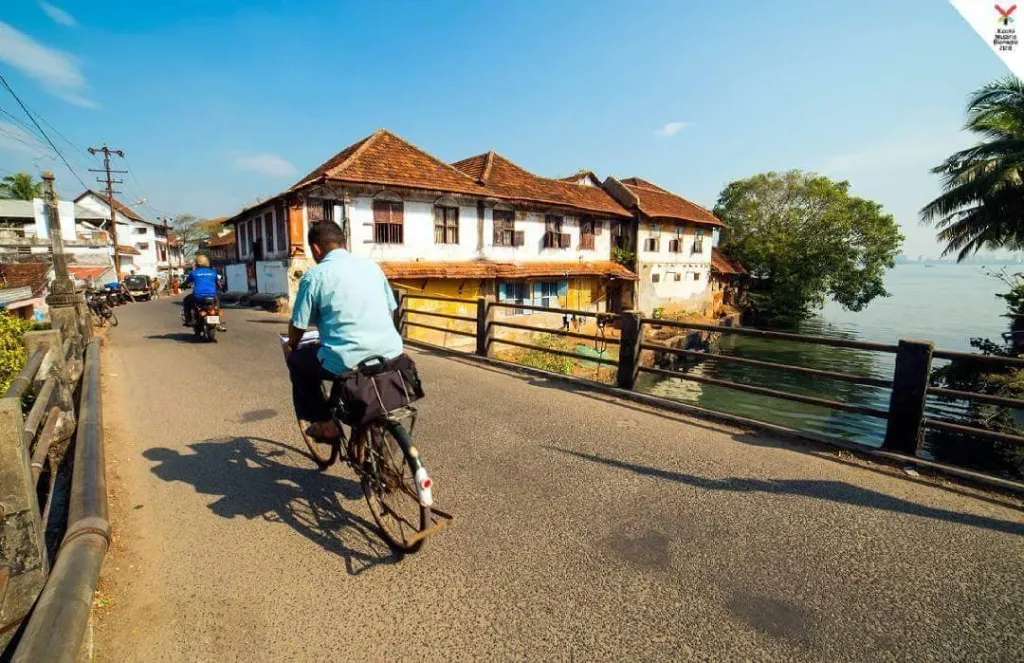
350	302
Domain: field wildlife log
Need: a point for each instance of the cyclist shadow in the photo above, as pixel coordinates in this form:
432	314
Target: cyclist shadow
252	481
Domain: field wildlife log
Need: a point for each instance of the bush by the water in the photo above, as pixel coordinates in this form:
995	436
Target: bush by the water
12	348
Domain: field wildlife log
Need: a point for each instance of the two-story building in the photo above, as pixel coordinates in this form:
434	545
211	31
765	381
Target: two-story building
671	239
25	237
143	244
481	226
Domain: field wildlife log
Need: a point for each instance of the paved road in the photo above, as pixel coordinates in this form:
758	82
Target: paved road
586	529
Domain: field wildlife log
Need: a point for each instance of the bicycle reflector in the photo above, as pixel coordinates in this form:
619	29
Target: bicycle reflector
423	484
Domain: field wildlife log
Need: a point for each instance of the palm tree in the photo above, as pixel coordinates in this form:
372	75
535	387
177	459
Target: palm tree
20	186
982	205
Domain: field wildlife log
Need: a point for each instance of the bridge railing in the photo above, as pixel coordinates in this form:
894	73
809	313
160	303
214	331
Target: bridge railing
37	421
909	387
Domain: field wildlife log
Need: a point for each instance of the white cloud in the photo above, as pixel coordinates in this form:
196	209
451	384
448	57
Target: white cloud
672	128
57	14
266	164
14	138
55	70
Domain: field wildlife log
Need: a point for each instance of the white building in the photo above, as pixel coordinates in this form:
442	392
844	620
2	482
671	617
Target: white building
673	246
25	236
480	227
142	244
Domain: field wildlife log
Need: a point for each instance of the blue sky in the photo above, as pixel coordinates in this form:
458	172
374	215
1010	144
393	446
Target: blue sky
217	102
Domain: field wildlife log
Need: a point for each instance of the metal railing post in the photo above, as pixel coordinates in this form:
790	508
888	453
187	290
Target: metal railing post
484	330
399	313
629	350
909	390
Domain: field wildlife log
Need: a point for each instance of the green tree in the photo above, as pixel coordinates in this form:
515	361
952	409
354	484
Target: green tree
20	186
982	204
804	238
191	231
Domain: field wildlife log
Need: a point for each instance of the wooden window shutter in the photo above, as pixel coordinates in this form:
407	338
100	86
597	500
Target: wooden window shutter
380	211
519	238
397	212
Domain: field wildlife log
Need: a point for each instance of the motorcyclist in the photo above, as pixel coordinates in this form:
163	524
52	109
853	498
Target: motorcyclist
205	283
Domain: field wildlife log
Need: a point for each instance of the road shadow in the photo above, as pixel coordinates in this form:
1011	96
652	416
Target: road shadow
258	478
180	337
819	489
831	452
283	322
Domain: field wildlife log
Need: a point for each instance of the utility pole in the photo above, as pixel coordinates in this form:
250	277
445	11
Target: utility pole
110	182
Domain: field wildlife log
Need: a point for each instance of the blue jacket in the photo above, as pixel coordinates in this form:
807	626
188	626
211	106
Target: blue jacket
204	281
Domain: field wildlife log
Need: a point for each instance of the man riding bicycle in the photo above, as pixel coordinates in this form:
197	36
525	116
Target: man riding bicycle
350	302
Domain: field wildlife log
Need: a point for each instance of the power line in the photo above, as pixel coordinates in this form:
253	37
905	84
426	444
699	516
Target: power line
21	124
31	117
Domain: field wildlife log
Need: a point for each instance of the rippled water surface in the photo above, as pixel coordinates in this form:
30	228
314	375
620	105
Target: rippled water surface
947	304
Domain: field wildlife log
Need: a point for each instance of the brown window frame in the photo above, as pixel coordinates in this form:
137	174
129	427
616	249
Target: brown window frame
319	209
388	222
698	241
446	224
652	245
281	230
588	227
504	228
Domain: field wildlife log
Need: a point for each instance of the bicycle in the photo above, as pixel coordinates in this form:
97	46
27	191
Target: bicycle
395	483
101	311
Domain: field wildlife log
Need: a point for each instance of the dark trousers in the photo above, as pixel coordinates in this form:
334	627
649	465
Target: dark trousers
306	374
189	302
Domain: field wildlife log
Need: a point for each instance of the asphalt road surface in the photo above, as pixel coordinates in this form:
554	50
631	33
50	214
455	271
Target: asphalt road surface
585	528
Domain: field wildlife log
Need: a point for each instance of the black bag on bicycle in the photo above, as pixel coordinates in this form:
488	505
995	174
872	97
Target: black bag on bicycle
376	387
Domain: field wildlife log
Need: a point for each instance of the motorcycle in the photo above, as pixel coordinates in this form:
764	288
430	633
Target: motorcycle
205	318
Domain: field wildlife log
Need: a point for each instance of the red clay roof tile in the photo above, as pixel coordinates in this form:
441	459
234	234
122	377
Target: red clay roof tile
723	264
24	274
505	179
657	202
386	159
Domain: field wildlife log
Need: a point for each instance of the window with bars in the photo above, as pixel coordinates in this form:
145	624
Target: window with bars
587	232
268	232
505	233
388	222
698	240
243	239
319	209
282	232
446	225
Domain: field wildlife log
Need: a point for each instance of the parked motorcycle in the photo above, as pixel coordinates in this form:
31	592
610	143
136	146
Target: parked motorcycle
205	318
115	294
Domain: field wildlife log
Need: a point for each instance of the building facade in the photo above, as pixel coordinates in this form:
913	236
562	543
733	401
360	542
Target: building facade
143	245
481	226
671	241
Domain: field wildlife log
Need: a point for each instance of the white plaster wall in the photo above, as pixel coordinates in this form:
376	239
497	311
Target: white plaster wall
533	224
66	211
666	234
238	281
418	233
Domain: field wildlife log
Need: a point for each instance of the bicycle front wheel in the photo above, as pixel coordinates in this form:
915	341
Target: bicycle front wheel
113	319
389	484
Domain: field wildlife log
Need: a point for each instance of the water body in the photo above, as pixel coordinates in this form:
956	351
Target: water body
948	304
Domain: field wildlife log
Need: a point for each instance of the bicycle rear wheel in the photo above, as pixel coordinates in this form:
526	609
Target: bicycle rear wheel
113	319
389	484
